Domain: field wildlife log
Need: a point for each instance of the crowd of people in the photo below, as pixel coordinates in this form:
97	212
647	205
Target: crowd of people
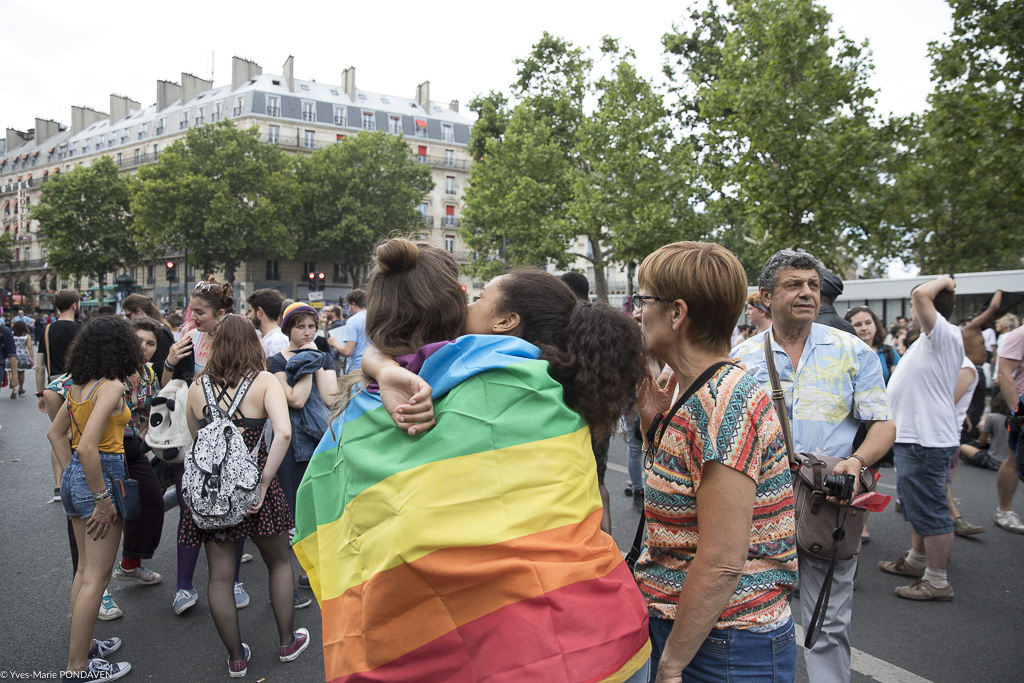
436	466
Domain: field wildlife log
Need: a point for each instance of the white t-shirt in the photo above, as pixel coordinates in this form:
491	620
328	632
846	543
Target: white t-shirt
989	335
922	385
965	401
274	343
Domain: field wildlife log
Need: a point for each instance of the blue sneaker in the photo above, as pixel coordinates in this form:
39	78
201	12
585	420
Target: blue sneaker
184	599
109	609
241	597
101	648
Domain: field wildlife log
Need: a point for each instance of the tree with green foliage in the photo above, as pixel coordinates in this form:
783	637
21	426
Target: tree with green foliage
963	183
551	174
221	194
350	195
790	152
84	220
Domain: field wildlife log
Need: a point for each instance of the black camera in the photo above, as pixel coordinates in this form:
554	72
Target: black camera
840	486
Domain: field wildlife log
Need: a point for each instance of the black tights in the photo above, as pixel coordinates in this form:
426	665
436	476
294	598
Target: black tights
221	558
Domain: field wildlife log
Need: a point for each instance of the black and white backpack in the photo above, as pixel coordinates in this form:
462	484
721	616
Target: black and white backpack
222	476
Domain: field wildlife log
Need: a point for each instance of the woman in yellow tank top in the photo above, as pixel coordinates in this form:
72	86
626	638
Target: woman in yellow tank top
103	355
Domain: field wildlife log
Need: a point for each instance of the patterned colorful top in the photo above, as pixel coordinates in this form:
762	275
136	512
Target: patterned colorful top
474	551
139	398
837	384
729	420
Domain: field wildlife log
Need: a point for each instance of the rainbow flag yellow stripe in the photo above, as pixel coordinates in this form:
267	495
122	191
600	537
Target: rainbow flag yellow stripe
473	551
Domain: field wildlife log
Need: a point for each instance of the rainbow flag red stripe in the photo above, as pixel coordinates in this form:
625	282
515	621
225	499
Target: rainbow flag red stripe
472	552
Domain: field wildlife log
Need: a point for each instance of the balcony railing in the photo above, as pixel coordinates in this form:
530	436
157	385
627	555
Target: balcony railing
441	162
140	160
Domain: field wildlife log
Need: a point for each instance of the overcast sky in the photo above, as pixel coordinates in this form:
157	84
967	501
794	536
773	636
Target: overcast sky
60	53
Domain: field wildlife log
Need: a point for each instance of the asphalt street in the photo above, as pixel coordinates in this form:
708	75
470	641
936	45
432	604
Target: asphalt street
974	638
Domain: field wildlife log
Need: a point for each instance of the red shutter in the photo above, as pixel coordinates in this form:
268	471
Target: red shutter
449	210
423	150
421	123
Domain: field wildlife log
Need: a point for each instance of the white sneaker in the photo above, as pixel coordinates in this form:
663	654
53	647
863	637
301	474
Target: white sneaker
108	608
1009	520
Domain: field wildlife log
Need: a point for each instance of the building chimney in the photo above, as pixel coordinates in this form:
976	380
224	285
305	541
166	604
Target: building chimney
242	70
348	82
16	138
192	86
454	106
167	93
423	95
121	106
46	129
83	117
289	73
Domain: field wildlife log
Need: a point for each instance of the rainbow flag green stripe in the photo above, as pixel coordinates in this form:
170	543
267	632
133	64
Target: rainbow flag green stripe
421	550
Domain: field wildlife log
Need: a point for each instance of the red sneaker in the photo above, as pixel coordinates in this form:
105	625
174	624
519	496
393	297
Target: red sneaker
291	652
240	668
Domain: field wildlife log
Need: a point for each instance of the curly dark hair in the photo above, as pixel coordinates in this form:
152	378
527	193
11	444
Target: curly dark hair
595	351
105	348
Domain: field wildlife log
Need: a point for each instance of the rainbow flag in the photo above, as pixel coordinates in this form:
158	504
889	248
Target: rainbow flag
472	552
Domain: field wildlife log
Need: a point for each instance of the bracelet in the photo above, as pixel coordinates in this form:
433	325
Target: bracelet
168	367
863	464
102	495
39	394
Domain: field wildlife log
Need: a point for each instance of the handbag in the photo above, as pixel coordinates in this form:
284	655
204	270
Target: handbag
654	441
824	530
125	494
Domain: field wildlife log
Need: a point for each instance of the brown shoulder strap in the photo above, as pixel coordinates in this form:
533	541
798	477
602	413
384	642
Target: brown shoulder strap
778	397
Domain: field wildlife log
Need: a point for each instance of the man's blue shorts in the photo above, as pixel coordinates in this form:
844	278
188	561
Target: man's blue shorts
921	486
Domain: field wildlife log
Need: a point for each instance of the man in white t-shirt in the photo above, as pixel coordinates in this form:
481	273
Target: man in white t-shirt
264	310
921	396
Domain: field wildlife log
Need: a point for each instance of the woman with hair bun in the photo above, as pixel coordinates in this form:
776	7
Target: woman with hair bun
474	551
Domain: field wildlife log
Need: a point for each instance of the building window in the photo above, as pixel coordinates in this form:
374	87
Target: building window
143	130
119	160
340	274
395	125
72	151
422	208
200	116
449	243
273	106
85	146
154	151
449	184
447	132
368	121
421	154
341	116
449	215
272	272
274	135
124	136
137	155
307	268
309	111
237	111
160	125
150	275
421	128
184	122
449	157
215	116
309	139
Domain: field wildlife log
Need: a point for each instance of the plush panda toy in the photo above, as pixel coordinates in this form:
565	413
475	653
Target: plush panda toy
168	436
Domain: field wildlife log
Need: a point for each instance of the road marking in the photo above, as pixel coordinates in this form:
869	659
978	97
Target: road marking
873	667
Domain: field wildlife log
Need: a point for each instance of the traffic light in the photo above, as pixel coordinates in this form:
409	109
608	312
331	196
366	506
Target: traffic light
320	282
172	271
311	281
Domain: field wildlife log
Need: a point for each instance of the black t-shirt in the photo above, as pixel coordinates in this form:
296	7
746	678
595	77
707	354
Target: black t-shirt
60	335
163	347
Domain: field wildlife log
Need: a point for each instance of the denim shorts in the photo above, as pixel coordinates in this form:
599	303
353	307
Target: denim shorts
732	655
75	493
921	486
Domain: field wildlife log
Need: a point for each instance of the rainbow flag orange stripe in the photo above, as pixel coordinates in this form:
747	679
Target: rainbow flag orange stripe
474	551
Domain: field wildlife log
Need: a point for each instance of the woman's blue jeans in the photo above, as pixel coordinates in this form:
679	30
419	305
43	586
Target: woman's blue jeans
731	655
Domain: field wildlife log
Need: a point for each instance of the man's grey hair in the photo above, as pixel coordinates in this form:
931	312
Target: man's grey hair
780	260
